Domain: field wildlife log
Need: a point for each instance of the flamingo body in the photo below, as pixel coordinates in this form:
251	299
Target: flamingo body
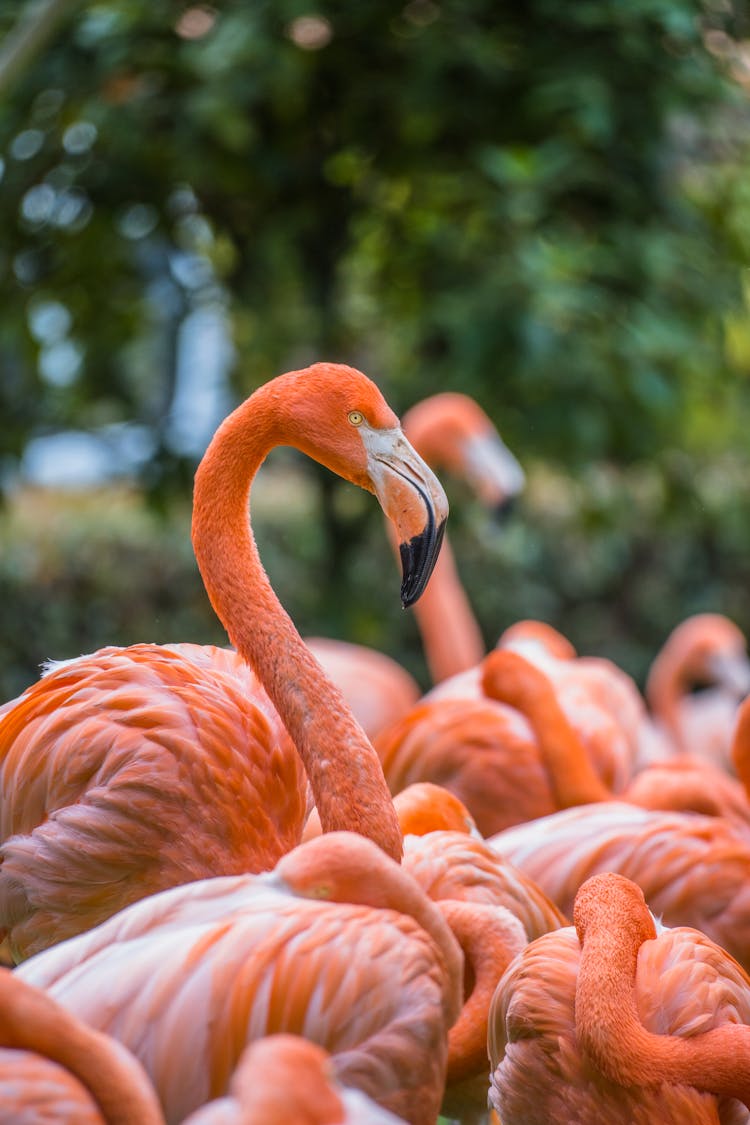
694	870
129	781
685	984
133	770
186	978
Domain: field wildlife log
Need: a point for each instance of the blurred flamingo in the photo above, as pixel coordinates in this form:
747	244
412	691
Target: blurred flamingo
706	649
450	431
137	769
690	784
486	752
594	1034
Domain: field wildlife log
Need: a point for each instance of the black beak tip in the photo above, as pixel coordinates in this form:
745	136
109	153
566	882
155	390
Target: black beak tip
418	558
502	510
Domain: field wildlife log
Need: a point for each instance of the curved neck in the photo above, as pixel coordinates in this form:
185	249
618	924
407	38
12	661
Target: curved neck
32	1021
608	1027
451	637
741	745
490	936
344	771
665	687
509	678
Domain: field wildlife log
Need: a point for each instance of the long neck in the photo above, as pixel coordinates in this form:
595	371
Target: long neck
490	936
451	637
343	769
608	1027
665	687
32	1021
741	745
510	678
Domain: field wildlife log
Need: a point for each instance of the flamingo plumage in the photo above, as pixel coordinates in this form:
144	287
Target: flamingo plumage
338	944
487	752
55	1069
551	1060
283	1079
134	769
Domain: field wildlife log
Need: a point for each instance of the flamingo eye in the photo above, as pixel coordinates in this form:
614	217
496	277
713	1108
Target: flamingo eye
356	417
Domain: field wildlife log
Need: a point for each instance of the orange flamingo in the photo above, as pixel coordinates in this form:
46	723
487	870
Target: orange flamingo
691	785
493	909
601	701
285	1080
613	923
486	752
563	1020
338	944
55	1069
137	769
709	649
450	431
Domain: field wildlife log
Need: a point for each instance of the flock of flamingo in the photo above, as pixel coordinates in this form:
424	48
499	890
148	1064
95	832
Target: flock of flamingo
273	884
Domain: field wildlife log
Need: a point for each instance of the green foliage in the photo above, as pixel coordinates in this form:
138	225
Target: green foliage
545	205
615	558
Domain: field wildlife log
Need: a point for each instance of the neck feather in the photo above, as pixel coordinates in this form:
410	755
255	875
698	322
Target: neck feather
343	769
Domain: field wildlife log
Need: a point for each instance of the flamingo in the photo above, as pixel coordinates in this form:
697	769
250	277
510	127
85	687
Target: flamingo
55	1069
689	785
450	431
588	1024
486	752
338	944
284	1079
600	699
132	770
706	648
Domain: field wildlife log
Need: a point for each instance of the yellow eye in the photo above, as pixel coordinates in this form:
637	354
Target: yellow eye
356	418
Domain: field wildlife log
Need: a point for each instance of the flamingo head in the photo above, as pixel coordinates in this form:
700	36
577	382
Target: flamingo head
451	430
337	416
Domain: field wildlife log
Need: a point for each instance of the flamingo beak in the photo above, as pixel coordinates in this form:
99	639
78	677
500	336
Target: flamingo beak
492	470
413	499
732	672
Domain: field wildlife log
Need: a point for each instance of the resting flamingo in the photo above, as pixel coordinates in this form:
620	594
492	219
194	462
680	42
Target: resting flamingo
286	1080
452	432
338	944
709	649
54	1069
689	784
493	909
136	769
623	1021
485	751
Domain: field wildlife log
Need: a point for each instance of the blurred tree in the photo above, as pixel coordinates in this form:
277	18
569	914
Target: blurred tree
464	193
542	204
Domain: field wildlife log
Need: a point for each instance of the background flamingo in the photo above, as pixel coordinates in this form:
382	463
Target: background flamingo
487	753
542	1071
136	769
709	650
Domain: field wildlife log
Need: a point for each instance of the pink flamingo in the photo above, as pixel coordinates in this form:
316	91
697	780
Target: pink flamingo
622	1022
137	769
